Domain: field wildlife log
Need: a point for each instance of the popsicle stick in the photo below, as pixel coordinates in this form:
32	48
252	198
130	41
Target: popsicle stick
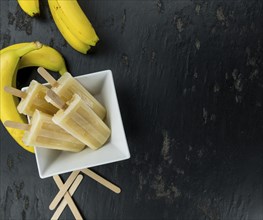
63	190
15	92
46	75
101	180
17	125
67	198
60	103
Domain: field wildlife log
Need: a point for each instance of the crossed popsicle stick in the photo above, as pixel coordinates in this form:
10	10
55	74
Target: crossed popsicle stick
67	190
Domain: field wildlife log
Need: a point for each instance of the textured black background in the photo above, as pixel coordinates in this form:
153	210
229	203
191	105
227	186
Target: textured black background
189	81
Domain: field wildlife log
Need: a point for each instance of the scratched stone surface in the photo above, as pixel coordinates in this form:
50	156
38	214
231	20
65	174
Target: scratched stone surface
189	80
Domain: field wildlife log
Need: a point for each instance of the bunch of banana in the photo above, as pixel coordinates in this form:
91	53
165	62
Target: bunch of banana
73	24
31	7
71	21
16	57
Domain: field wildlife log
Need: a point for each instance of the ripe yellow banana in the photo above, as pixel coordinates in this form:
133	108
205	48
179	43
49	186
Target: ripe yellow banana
31	7
8	68
73	41
71	14
46	57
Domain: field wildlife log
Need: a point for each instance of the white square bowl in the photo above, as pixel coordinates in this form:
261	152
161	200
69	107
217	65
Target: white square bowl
54	162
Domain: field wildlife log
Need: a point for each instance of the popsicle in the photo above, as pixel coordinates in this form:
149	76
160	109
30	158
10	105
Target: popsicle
42	132
32	99
78	119
66	86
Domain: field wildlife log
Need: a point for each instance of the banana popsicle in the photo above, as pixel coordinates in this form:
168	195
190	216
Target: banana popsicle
42	132
78	119
32	99
66	86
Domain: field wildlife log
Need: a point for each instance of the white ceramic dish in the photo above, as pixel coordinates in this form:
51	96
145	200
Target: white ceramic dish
54	162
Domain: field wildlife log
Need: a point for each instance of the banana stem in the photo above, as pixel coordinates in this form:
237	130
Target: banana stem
28	48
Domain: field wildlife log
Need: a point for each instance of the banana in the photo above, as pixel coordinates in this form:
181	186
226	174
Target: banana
8	68
66	32
46	57
75	20
31	7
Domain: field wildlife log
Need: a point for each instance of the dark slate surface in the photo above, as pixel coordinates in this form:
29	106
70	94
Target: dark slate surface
189	81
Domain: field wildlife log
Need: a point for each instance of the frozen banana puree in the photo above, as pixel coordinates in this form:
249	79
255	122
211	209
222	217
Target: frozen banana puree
78	119
35	99
44	133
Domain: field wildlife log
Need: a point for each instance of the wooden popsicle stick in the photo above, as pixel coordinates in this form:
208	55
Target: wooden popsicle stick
60	103
46	75
15	92
17	125
67	198
63	190
101	180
